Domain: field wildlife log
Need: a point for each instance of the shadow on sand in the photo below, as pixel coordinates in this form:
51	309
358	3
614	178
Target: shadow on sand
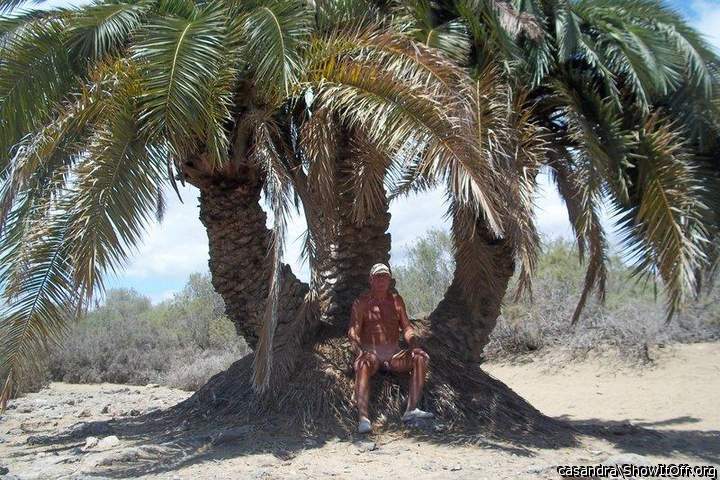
162	441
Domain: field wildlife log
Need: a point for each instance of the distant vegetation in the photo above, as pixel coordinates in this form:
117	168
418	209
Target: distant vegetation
183	341
180	342
632	317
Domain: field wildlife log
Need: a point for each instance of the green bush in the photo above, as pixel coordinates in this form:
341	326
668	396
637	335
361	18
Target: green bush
127	340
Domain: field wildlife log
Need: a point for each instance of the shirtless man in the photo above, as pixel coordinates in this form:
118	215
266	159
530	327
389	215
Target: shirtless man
377	318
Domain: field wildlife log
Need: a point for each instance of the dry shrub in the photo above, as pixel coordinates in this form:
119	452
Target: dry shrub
194	374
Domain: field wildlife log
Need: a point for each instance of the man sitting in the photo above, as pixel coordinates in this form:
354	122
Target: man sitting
377	317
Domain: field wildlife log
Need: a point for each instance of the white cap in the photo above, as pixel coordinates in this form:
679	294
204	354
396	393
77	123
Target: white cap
379	268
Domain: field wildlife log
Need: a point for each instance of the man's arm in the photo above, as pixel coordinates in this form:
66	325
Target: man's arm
356	321
405	325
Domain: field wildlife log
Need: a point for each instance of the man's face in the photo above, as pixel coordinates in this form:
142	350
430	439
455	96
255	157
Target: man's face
380	282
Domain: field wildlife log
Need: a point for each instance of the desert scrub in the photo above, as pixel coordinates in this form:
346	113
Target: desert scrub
631	319
128	340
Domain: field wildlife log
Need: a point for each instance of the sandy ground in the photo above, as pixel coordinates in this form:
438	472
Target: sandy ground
664	413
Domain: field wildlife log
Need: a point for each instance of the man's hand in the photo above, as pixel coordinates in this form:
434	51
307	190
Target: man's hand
370	358
417	351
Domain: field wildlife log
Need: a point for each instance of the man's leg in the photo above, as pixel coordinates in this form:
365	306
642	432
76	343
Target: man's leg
366	365
403	362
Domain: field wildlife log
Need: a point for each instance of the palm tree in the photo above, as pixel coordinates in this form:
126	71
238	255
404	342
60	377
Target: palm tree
627	94
103	105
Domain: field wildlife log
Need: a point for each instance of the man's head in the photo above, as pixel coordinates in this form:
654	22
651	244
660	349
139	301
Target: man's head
380	277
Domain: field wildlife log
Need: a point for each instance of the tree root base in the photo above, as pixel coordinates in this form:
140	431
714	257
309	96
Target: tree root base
318	397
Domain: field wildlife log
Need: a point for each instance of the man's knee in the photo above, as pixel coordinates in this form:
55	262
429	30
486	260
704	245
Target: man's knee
420	357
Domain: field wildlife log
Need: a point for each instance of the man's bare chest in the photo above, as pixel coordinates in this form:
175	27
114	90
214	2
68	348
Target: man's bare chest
381	314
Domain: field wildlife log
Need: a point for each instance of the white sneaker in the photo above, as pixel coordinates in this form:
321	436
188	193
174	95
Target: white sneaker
416	413
364	426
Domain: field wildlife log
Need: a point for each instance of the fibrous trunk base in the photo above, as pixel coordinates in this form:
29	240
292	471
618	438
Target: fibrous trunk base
319	397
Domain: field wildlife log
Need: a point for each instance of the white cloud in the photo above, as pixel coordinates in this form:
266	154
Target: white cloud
708	20
176	247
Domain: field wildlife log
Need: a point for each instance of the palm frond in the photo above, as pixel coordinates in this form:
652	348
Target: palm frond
402	115
664	233
273	36
36	72
57	145
37	293
180	60
115	194
367	188
103	29
268	155
319	142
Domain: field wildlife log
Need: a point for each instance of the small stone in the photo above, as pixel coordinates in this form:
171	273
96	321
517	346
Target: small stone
108	442
25	410
134	412
91	442
537	468
106	409
83	413
152	385
366	446
4	470
70	402
455	468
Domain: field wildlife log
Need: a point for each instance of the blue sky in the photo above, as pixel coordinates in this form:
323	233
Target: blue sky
178	246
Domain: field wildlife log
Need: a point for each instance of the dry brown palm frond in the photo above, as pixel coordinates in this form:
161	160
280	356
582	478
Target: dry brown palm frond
319	142
664	234
367	180
559	164
528	148
515	22
268	154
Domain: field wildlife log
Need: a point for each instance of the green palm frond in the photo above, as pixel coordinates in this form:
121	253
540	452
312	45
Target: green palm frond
664	234
574	44
115	194
180	60
104	29
273	36
52	151
36	71
655	15
36	280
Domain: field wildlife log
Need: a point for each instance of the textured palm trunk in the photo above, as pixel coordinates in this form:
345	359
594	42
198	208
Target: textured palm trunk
241	265
343	267
468	313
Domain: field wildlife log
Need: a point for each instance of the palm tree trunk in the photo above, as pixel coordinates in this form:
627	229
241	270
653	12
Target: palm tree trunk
344	270
465	317
240	266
